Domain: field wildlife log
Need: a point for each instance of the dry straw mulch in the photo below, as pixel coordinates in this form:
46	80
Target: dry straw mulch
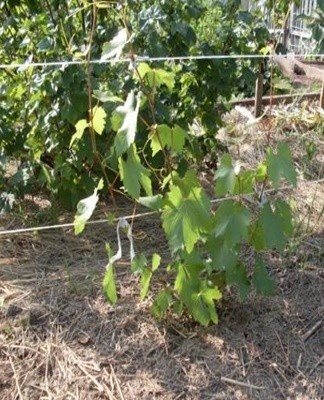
59	339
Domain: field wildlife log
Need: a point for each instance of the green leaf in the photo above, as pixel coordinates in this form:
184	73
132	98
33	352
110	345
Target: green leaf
109	285
225	177
85	208
80	126
261	173
161	77
222	256
142	69
134	175
126	133
165	136
281	165
105	97
156	260
186	213
161	303
139	264
261	279
98	119
283	212
231	222
236	275
198	297
272	228
153	202
115	47
145	282
244	183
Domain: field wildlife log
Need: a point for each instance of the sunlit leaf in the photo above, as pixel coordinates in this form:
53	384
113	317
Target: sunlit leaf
109	285
80	127
98	119
156	260
145	282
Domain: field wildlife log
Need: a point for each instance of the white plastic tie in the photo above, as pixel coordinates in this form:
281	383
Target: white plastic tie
123	224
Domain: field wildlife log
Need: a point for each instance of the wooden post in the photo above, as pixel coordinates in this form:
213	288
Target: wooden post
322	96
258	95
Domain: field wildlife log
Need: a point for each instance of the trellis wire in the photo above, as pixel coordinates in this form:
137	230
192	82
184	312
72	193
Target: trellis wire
149	59
140	215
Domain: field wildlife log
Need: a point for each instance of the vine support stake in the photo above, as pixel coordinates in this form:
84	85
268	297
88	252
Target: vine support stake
322	96
258	94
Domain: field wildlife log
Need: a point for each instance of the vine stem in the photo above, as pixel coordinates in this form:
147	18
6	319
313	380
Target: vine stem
89	86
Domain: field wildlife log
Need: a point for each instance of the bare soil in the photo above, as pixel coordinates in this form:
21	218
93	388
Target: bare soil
59	339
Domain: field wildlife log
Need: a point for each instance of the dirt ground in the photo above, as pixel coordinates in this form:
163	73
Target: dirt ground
59	339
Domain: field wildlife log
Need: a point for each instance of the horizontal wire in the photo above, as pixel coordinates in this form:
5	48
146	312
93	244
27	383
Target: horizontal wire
138	216
150	59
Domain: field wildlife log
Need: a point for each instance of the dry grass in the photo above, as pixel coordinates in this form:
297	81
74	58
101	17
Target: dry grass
59	339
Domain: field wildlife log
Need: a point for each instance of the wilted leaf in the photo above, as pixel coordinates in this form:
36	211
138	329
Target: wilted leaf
85	208
115	47
126	133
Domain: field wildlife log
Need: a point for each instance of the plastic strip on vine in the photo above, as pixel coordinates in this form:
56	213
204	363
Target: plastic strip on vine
123	224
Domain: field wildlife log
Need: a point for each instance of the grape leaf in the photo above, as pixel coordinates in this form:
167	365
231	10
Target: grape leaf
153	202
196	295
280	165
126	133
283	212
85	208
225	176
139	263
155	77
244	182
165	136
80	126
115	47
134	175
145	282
161	303
231	222
261	279
272	228
109	285
156	260
222	256
186	214
261	173
98	119
236	275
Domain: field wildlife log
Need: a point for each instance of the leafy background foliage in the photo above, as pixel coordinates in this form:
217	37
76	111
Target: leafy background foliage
78	130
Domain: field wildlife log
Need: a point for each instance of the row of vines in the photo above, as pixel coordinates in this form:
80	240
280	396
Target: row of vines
80	131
